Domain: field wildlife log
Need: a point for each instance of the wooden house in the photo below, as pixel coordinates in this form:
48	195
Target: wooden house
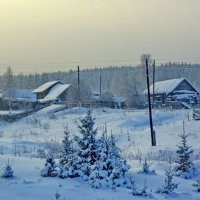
52	91
174	90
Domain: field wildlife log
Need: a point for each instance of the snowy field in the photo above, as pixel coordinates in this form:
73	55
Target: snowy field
28	141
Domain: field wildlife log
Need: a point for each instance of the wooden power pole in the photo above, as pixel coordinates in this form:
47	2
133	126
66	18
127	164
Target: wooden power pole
100	85
154	65
79	98
153	134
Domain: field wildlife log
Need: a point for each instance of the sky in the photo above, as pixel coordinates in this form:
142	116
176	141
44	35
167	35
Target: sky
52	35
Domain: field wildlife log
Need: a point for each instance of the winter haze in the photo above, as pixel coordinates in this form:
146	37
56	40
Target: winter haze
50	35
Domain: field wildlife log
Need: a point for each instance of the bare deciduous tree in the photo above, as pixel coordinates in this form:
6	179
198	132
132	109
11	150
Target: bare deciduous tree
8	80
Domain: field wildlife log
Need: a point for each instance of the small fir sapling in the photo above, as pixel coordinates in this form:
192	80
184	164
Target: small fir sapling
57	196
131	182
50	168
169	186
198	185
145	192
67	162
185	167
7	171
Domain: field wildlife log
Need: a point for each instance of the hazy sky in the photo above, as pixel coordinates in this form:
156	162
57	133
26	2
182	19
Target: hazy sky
49	35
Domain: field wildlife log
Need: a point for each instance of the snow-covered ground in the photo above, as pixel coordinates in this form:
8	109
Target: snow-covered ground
24	141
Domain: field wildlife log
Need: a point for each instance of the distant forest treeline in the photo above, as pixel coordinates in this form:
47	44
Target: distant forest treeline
121	81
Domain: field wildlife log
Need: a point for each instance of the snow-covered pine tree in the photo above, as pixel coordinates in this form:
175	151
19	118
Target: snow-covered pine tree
117	164
87	144
68	161
7	171
67	147
184	161
109	169
100	170
49	168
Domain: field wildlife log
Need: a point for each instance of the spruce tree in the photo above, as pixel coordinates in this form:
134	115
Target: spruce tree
110	168
101	169
169	186
184	156
7	171
68	160
87	144
49	168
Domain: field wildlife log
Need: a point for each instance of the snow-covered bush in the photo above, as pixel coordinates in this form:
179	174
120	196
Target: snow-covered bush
146	168
50	168
185	168
7	171
144	192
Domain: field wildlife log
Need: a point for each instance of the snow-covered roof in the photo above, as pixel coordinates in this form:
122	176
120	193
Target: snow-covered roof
165	87
94	92
55	92
45	86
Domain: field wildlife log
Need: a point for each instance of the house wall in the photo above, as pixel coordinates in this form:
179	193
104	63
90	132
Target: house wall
184	85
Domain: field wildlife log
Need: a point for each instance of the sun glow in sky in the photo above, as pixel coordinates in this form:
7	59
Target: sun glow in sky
51	35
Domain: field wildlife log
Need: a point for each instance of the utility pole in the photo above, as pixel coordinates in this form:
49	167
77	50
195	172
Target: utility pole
153	134
79	99
154	65
100	85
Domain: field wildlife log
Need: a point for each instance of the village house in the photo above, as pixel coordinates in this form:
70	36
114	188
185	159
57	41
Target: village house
51	92
174	90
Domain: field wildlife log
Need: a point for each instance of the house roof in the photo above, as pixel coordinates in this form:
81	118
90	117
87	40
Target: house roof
55	92
45	86
165	87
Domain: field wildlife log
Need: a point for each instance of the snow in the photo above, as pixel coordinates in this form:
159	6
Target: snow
50	109
29	135
55	92
165	87
12	112
185	92
45	86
